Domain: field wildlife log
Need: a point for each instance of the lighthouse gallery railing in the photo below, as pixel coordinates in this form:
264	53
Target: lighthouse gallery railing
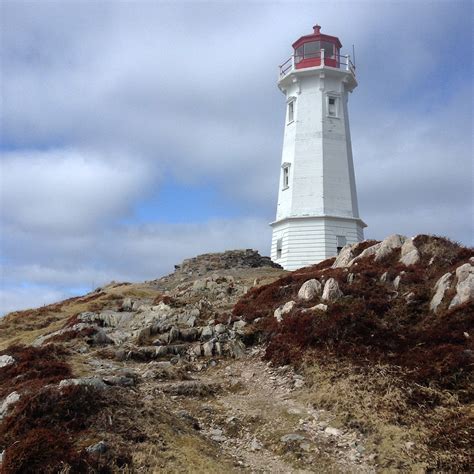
339	61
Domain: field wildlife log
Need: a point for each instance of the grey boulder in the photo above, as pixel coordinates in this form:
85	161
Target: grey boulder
309	290
331	291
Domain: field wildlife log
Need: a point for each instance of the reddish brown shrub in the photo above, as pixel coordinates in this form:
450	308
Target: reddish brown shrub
42	450
39	435
69	408
34	367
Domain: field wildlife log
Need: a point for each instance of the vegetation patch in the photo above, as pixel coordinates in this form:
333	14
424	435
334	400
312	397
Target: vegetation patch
40	434
34	367
376	324
43	430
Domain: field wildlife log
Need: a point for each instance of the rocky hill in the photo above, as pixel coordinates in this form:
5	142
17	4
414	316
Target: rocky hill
361	363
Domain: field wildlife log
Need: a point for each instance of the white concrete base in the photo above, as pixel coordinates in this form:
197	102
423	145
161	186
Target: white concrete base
309	240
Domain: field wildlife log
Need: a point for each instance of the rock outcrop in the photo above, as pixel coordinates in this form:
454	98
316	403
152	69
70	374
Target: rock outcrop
284	309
409	253
464	285
331	291
6	360
309	290
442	285
388	245
231	259
8	403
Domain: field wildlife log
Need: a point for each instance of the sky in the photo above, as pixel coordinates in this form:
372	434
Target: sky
136	134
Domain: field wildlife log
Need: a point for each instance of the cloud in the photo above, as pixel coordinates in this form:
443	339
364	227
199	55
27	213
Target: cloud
68	190
415	171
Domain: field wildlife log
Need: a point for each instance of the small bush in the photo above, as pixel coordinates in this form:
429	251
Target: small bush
40	434
42	450
34	368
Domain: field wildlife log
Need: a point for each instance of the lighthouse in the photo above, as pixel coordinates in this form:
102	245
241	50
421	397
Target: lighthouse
317	212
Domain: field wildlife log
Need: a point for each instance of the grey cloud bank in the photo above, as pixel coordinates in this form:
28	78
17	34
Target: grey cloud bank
102	101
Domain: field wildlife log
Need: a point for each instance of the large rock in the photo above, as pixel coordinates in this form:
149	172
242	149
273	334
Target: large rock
94	382
284	309
207	348
207	333
189	334
106	318
345	256
8	403
463	272
100	337
442	285
331	290
309	290
6	360
365	253
196	350
220	328
464	285
409	254
388	245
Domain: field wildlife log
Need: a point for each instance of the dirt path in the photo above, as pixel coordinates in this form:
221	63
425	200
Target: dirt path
260	421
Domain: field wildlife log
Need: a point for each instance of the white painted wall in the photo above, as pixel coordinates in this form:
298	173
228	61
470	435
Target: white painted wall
309	240
321	200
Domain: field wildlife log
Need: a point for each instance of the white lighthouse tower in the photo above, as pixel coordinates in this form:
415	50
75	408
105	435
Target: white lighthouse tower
317	211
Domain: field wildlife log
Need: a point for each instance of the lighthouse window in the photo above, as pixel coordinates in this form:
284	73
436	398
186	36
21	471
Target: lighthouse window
286	177
291	111
279	247
332	107
340	242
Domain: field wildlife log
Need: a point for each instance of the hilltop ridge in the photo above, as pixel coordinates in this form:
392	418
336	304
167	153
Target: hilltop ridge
360	363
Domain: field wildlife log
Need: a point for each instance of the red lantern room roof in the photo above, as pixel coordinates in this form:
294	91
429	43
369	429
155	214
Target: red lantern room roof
317	50
317	36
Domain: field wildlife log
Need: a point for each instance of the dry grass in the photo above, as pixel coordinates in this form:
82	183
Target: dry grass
378	401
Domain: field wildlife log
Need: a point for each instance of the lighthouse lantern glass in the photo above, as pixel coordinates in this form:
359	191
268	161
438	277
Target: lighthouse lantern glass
299	54
328	49
311	50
